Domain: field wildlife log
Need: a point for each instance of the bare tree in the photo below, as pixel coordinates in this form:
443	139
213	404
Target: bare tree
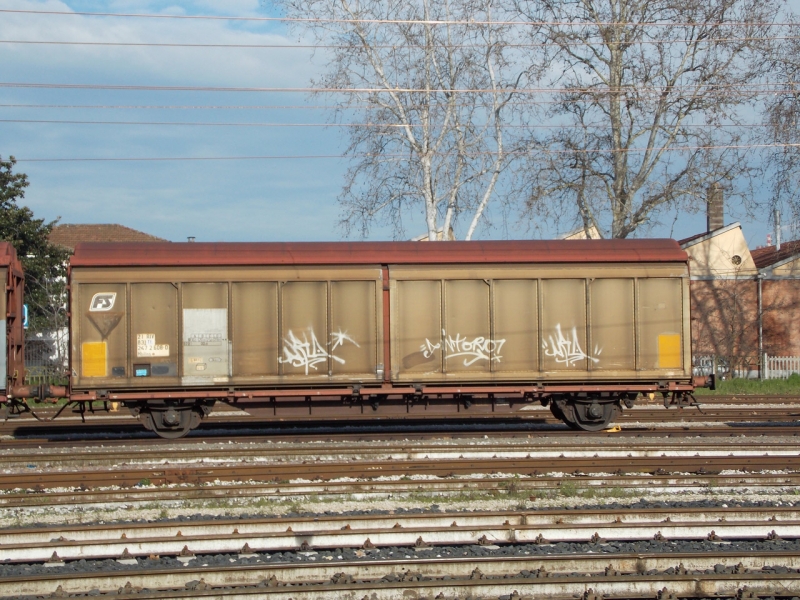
425	89
47	343
650	109
782	117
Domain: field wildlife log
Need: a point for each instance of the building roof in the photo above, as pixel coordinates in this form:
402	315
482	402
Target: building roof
707	235
378	253
720	254
68	236
768	256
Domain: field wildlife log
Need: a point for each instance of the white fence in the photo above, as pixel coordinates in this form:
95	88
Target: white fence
706	364
775	367
780	367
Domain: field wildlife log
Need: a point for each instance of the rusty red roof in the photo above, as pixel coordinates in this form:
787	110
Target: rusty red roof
368	253
8	254
764	257
69	235
9	258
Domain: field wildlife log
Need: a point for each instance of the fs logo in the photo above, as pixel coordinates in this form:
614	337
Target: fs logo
102	302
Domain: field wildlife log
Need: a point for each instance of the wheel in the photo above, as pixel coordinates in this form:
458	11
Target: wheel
566	415
170	421
594	416
557	412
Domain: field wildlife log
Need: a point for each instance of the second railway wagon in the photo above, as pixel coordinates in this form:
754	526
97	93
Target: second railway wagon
384	329
12	360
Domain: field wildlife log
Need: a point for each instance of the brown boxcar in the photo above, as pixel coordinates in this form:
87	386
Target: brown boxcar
353	330
12	361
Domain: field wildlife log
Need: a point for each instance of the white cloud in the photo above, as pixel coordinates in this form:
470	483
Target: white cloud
241	67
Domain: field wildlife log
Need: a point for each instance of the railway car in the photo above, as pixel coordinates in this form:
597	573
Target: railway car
380	330
12	361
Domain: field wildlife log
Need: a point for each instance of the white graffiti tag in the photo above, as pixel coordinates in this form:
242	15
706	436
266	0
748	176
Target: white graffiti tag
306	352
567	351
338	338
478	348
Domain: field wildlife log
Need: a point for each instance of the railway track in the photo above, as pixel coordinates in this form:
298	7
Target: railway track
416	531
204	466
620	486
589	576
447	555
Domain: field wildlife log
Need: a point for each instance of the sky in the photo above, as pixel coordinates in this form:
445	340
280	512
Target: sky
288	197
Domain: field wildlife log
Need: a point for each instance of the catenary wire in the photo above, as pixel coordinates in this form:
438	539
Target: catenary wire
761	88
377	125
386	46
395	155
381	21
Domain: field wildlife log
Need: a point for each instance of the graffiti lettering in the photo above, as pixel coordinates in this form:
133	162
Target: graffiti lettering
338	338
306	352
475	349
567	351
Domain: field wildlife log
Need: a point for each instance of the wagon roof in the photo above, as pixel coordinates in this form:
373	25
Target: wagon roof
8	255
374	253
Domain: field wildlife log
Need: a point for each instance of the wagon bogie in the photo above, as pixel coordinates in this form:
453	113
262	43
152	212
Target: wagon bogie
170	418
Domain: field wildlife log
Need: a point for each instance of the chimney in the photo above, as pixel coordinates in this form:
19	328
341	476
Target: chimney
715	211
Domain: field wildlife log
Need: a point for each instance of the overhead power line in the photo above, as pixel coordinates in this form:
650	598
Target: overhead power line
374	21
722	88
398	155
709	40
376	125
176	106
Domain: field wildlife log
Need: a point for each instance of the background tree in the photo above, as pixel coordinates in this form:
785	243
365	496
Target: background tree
44	263
650	112
425	88
782	120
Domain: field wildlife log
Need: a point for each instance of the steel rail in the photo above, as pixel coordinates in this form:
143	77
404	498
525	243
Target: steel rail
132	455
622	575
164	474
621	484
270	535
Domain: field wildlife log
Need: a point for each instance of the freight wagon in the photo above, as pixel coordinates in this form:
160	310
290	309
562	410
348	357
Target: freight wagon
12	361
380	330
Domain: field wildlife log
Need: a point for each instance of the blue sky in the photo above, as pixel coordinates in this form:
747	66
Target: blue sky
233	200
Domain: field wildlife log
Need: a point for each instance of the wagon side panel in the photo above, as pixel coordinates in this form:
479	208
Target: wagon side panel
99	334
467	337
154	347
661	323
255	329
515	335
353	338
417	329
4	273
612	324
564	339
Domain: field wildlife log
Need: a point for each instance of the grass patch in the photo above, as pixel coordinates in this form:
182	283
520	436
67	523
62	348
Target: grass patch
769	387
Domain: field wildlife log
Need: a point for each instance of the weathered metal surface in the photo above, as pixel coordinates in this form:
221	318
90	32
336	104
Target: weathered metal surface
12	363
343	253
184	322
576	323
259	327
